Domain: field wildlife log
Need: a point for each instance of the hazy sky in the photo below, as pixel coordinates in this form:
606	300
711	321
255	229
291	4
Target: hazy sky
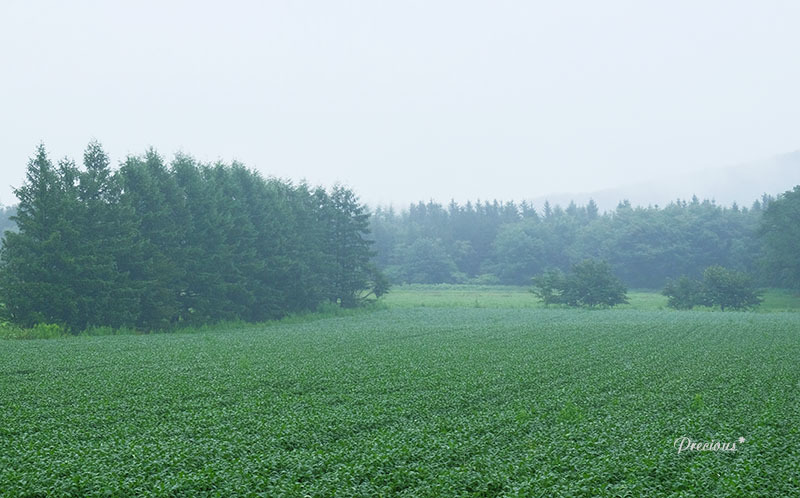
407	100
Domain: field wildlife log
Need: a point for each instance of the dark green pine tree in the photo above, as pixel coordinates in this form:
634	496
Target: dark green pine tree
294	242
106	233
242	187
316	243
158	205
205	258
38	259
276	270
231	249
349	246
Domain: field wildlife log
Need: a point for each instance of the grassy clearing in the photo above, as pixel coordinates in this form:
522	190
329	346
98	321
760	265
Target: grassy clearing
495	296
477	296
460	296
780	300
411	401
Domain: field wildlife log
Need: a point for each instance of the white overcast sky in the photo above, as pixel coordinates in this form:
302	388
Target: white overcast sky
407	100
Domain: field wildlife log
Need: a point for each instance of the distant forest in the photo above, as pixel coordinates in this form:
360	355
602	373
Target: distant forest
508	243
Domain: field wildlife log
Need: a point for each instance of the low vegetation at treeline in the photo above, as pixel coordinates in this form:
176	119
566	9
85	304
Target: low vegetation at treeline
466	396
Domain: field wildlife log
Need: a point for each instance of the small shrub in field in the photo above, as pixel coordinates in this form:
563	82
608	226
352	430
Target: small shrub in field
720	287
729	289
590	283
549	287
684	293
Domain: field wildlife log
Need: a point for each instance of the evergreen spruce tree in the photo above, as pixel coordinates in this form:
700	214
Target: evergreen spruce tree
349	227
106	234
150	192
37	260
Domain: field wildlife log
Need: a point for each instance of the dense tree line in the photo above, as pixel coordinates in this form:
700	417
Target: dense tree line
154	245
645	246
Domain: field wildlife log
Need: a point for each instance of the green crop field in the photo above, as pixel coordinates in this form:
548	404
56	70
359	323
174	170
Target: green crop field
479	392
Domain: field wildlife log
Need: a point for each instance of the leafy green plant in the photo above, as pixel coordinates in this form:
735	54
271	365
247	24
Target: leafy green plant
590	283
549	287
720	287
684	293
729	289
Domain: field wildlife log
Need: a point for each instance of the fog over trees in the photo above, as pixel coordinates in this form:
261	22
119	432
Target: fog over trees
508	243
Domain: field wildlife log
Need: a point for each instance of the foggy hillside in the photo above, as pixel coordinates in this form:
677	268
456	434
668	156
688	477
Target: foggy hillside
741	183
